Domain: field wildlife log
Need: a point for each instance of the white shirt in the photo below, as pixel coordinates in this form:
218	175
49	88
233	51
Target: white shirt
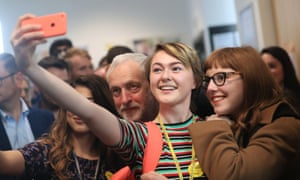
19	132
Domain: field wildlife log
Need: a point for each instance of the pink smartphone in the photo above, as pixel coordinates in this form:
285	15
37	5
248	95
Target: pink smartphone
52	24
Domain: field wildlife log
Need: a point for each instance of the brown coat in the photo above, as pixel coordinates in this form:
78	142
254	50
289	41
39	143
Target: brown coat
273	151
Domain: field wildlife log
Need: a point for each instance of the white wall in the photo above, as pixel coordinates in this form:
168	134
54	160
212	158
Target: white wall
98	24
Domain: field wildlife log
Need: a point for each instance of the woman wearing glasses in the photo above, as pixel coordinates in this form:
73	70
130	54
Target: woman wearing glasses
254	134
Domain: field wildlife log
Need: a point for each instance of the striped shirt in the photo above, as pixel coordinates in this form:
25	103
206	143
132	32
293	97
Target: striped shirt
132	146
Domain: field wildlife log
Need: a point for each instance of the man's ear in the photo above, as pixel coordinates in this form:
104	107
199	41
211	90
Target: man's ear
19	78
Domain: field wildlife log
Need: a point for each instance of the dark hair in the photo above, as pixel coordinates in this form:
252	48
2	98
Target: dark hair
103	61
100	91
290	80
103	97
51	61
59	136
59	42
116	50
9	62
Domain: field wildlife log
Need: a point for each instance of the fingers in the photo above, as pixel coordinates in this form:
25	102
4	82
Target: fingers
24	40
23	17
19	23
212	116
152	176
27	33
215	117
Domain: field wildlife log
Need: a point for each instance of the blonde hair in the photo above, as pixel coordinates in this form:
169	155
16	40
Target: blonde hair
183	53
76	51
73	52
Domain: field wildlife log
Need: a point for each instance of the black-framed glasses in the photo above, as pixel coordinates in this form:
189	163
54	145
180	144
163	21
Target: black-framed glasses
219	78
5	77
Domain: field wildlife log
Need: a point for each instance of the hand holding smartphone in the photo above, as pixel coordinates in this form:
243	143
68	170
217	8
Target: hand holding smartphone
52	24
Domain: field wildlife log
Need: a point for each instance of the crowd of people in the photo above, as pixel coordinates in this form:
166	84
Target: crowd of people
224	119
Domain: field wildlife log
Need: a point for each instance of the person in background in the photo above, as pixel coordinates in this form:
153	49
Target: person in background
283	71
19	124
80	62
105	61
289	47
26	92
70	150
173	71
102	67
59	68
130	88
59	47
255	132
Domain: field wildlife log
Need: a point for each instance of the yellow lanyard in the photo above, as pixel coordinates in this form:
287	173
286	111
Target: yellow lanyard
173	152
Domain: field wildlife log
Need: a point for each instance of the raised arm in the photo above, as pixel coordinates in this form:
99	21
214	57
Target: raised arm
24	41
12	162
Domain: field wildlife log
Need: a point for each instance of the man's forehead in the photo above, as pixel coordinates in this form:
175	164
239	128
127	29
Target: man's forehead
126	83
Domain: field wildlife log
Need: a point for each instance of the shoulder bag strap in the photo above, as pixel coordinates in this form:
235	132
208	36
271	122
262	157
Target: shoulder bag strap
153	147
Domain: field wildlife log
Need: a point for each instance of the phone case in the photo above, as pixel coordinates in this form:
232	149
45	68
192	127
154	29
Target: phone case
52	24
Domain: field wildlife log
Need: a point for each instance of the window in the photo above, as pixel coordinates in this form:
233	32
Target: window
224	36
248	28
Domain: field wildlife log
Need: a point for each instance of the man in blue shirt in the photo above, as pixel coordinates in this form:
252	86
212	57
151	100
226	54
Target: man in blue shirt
19	124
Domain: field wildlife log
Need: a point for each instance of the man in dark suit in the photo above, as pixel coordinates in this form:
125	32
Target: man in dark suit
19	123
40	122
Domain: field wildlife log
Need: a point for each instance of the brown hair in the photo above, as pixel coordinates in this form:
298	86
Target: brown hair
260	89
59	137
